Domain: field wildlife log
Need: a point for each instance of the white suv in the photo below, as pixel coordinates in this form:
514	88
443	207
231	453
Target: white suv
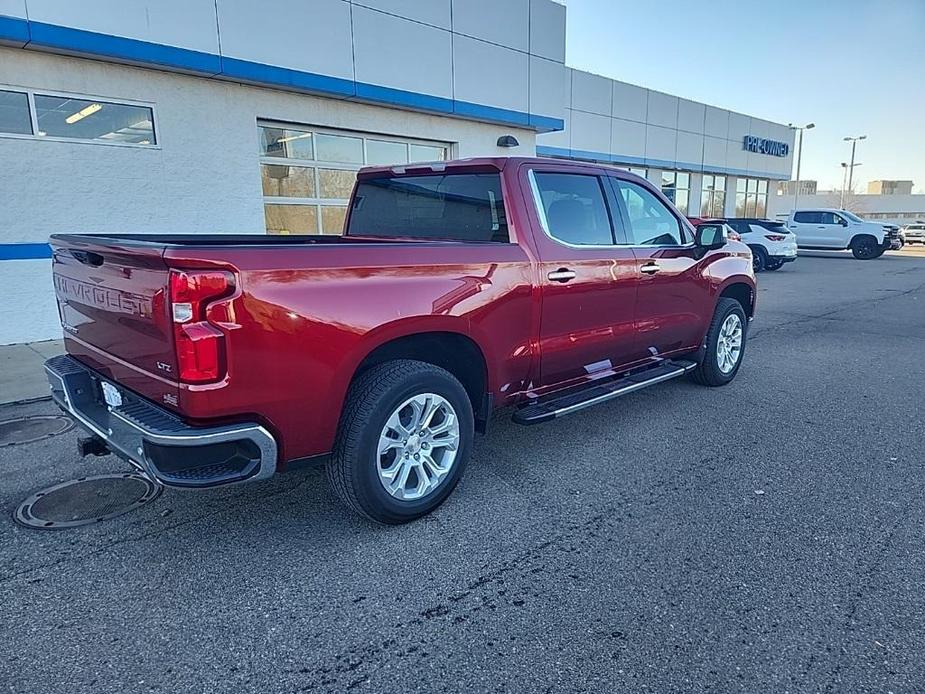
915	233
771	243
830	229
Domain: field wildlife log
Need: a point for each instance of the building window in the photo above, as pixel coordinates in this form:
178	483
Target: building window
713	196
676	186
69	117
751	197
14	113
307	174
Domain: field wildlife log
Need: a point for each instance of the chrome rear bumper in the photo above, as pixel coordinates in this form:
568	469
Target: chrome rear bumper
158	442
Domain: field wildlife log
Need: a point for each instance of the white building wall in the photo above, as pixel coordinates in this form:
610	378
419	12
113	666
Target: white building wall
202	178
648	128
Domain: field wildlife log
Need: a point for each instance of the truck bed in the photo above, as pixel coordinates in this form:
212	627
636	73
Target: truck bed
245	240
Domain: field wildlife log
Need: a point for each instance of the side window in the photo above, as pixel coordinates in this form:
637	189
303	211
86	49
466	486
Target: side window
829	218
651	222
572	208
808	217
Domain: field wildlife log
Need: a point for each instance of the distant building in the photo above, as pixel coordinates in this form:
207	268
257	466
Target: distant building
790	187
889	188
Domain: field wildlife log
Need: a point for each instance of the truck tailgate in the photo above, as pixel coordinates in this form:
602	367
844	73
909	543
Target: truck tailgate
113	304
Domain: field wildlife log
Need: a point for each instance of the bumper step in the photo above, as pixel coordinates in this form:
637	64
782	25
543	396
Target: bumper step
559	405
162	445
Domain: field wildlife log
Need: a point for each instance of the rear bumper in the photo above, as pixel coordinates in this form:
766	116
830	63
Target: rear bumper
782	258
158	442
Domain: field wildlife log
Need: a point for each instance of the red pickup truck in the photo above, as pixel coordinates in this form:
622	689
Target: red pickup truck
457	288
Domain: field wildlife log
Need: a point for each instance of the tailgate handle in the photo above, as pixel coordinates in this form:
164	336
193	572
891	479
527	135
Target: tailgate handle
88	257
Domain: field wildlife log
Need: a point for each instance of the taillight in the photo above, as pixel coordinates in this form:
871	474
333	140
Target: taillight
733	235
774	237
200	346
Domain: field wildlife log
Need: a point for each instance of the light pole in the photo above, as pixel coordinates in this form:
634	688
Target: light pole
854	143
796	188
846	168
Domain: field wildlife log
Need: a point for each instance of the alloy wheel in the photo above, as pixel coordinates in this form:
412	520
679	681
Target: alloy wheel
418	446
729	343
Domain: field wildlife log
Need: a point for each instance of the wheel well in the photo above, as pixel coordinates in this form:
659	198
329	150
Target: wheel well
858	237
742	293
454	352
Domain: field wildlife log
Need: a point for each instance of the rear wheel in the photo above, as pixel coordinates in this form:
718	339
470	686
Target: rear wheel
759	258
774	265
403	441
725	345
866	248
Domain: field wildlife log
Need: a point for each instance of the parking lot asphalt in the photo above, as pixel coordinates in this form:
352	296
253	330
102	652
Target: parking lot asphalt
762	537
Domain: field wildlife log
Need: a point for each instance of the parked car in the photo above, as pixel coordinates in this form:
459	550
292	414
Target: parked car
458	288
914	233
772	244
830	229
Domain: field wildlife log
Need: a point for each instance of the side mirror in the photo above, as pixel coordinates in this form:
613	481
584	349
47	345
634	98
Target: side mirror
843	221
710	236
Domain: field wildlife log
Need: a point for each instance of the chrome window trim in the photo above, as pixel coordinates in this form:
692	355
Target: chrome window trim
541	213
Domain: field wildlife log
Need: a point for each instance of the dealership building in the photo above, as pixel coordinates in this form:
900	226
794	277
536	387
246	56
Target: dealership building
214	116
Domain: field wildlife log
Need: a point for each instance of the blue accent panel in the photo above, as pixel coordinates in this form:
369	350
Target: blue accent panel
546	124
623	159
24	251
89	42
233	68
490	113
545	151
81	42
14	30
594	156
620	159
662	163
400	97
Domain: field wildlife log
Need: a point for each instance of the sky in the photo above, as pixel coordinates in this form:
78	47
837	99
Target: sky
852	67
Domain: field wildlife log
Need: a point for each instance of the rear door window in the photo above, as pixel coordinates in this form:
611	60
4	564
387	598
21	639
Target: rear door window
456	207
808	217
777	227
572	208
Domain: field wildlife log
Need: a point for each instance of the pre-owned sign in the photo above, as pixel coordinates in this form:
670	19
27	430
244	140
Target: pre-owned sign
764	146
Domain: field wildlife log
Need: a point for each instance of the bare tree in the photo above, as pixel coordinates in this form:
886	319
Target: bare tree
850	200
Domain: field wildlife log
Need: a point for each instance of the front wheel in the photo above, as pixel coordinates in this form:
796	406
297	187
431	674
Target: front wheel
725	345
403	441
866	248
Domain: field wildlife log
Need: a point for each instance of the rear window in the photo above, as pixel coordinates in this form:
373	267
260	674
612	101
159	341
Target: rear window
458	207
773	226
808	217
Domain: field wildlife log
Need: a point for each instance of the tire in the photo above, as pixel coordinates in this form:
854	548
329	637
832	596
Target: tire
709	372
355	466
774	265
866	248
759	259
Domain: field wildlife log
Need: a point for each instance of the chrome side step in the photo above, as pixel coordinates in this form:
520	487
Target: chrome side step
555	406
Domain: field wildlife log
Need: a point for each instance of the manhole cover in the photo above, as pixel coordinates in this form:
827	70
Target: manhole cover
86	500
29	429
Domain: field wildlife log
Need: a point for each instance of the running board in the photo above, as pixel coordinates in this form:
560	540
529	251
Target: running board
554	406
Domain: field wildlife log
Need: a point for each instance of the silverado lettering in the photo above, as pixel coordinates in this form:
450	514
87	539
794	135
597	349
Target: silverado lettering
100	297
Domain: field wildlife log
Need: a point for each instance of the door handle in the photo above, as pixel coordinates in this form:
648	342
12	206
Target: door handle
650	268
561	275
